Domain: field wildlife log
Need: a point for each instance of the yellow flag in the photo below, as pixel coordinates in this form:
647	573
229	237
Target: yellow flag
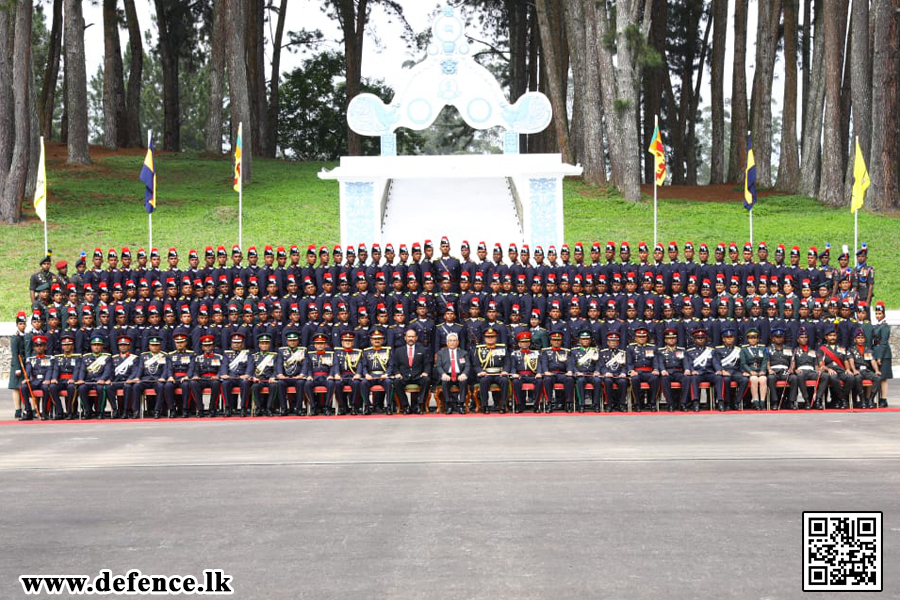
659	153
40	188
860	180
238	179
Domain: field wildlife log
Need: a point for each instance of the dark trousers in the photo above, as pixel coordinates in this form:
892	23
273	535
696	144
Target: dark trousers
484	387
169	394
197	388
67	387
644	398
712	379
41	386
283	385
839	387
355	400
866	374
142	386
365	387
776	394
87	404
741	381
615	389
228	388
417	403
581	382
265	399
112	394
800	381
565	380
519	394
675	399
319	381
448	397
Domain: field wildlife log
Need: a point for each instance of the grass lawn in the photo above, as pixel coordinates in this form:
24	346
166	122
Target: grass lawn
102	206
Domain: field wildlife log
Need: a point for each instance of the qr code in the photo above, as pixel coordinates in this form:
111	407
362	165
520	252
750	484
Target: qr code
842	551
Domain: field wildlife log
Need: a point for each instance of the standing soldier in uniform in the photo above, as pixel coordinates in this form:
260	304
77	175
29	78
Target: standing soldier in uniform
151	372
290	371
672	363
611	365
583	362
320	361
641	365
490	363
346	361
805	366
236	375
864	276
261	369
207	369
66	367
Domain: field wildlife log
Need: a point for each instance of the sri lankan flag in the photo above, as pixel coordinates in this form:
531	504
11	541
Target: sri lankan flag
237	160
659	153
148	176
750	178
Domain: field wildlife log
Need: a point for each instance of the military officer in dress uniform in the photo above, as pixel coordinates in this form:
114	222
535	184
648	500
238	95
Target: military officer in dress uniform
38	373
806	370
865	368
583	363
343	372
672	363
181	370
611	366
236	359
261	369
729	356
66	366
96	368
207	369
123	378
290	368
490	363
320	361
375	369
641	365
833	361
704	367
780	368
554	367
754	362
524	368
151	372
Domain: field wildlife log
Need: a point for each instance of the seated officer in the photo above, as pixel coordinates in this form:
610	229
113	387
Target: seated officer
780	368
672	362
289	371
152	372
181	370
525	368
236	375
208	367
864	367
261	370
729	357
96	368
583	362
702	367
490	363
754	362
554	365
66	366
375	369
343	372
833	361
123	378
806	370
611	366
37	376
641	364
320	361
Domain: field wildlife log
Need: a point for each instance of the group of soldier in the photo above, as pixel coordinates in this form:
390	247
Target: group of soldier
356	334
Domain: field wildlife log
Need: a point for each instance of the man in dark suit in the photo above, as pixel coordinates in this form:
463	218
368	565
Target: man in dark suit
452	369
411	365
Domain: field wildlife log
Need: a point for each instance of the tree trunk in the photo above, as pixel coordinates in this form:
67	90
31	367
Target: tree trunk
352	15
738	153
7	130
717	149
51	72
34	131
76	87
804	61
693	107
113	80
517	13
831	185
256	73
845	88
64	118
238	85
761	109
789	160
13	192
168	59
549	37
884	158
274	99
811	158
860	88
217	45
133	134
654	81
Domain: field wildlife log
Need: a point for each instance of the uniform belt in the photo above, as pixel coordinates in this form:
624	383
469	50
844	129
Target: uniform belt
779	367
210	375
674	370
181	374
806	368
530	373
643	369
65	376
320	373
493	370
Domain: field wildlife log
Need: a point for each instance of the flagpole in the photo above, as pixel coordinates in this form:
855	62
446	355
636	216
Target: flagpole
745	178
656	124
150	215
855	212
45	203
751	225
241	191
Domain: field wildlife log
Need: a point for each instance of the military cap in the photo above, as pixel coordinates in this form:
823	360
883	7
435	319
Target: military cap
67	338
263	337
207	339
320	337
523	335
153	340
863	250
376	333
556	335
490	332
700	332
641	330
729	332
347	335
237	335
753	331
777	332
613	335
39	340
584	333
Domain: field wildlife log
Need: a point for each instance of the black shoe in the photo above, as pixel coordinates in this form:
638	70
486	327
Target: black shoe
18	414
